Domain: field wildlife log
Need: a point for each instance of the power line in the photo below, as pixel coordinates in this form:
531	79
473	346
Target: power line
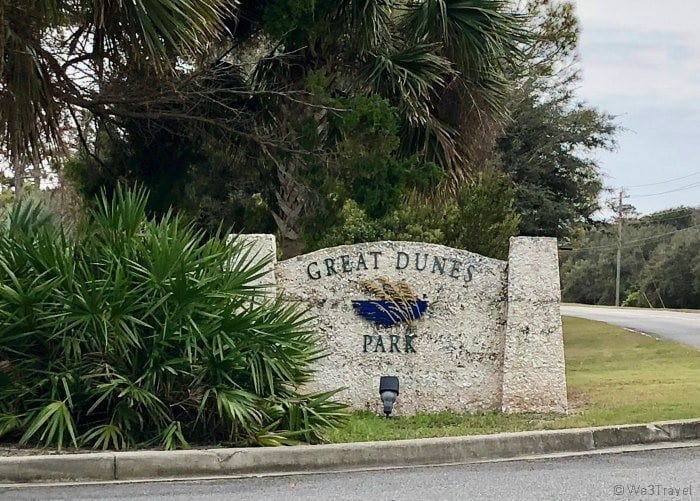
632	242
690	186
656	220
667	181
661	235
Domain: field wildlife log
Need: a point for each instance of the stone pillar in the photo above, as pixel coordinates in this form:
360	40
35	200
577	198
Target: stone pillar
533	365
260	246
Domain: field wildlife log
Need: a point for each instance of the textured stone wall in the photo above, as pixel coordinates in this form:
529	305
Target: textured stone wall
534	379
490	338
260	246
458	343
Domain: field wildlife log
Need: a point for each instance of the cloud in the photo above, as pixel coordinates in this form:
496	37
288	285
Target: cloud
632	63
672	16
640	60
640	49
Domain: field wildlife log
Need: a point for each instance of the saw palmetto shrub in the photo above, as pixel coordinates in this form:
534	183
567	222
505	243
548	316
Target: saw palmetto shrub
131	331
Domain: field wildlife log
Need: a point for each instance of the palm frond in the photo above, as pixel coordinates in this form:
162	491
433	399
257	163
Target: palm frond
106	436
481	37
369	22
149	30
56	421
411	77
29	110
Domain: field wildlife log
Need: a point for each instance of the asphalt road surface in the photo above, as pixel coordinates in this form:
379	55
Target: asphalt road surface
673	325
668	474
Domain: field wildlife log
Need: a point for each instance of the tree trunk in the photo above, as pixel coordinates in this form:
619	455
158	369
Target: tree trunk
291	201
36	173
19	178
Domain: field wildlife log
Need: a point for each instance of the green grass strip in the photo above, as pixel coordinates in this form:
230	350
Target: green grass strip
614	376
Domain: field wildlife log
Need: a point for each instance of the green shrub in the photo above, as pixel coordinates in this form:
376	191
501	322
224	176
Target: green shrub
356	227
141	332
634	300
481	218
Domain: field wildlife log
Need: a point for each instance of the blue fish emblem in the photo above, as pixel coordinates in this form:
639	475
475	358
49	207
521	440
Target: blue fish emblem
388	313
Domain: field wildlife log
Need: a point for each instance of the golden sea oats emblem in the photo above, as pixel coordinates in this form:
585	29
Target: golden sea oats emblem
396	302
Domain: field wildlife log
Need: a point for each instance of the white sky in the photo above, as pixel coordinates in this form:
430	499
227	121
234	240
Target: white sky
641	62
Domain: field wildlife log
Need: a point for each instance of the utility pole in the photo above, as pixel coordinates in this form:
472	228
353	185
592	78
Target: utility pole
619	249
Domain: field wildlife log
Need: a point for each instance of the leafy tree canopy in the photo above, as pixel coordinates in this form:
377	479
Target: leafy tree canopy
659	262
547	150
548	146
481	219
273	115
362	100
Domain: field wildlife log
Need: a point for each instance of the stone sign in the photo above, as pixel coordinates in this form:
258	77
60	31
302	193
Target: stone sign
462	332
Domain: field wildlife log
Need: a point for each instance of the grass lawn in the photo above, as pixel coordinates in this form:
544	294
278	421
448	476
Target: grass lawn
614	376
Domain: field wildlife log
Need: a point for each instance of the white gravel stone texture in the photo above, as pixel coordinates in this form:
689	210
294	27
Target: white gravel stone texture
534	378
260	246
491	338
459	341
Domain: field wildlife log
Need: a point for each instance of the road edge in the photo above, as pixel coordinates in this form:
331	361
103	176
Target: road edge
139	465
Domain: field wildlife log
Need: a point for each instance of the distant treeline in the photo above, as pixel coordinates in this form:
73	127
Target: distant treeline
660	262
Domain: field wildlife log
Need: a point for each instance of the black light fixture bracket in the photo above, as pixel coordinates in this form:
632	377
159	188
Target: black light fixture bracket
388	391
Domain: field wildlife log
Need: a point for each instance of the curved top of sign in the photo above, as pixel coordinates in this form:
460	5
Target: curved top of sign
392	258
430	248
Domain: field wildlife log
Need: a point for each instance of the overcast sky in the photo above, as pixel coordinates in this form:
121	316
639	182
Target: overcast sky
641	62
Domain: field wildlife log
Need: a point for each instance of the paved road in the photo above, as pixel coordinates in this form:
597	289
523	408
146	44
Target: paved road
606	477
674	325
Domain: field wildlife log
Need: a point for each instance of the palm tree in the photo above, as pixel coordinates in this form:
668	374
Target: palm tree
483	41
440	63
55	57
444	64
418	54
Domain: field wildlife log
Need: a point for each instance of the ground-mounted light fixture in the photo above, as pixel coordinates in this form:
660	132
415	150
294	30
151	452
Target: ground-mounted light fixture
388	391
